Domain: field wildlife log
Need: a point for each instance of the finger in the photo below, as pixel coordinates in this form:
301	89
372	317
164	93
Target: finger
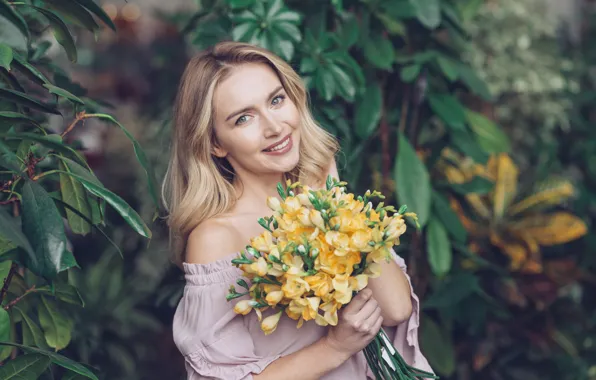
366	311
377	325
358	301
364	325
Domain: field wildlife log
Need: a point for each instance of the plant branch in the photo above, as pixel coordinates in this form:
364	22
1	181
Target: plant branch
7	281
16	300
80	116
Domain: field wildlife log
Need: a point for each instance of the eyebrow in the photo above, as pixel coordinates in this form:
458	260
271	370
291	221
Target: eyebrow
245	109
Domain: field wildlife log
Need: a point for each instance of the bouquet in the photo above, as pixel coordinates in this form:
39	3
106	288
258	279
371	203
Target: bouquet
318	249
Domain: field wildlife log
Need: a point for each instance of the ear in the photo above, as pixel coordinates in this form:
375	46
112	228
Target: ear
218	151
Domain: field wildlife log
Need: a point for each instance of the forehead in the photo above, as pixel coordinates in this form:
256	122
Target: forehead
247	84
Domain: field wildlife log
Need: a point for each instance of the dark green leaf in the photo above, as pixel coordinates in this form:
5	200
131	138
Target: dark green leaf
61	33
490	137
438	347
65	94
141	157
14	17
56	326
380	52
245	32
448	217
127	212
288	31
51	141
27	101
449	109
75	13
75	196
283	48
5	324
447	67
428	12
412	181
42	224
63	292
9	160
6	56
5	246
392	25
98	11
57	359
440	256
343	82
40	50
348	32
466	144
32	334
368	110
450	292
24	367
477	185
16	118
235	4
29	70
325	84
476	85
10	229
410	73
73	376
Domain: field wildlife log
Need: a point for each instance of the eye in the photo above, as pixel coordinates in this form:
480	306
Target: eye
278	100
241	120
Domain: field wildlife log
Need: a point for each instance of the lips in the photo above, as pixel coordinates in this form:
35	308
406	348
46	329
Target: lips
285	140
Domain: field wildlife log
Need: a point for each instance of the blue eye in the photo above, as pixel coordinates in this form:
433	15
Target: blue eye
241	120
279	99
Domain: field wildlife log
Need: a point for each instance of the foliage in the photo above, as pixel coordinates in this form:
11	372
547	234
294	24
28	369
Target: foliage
49	192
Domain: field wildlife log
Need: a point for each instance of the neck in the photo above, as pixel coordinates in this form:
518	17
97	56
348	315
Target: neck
253	190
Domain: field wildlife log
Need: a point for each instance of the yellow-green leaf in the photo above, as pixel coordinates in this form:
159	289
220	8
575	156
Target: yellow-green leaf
505	184
550	193
74	194
56	326
557	228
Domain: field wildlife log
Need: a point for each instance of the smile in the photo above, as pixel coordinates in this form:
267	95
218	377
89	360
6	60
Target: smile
280	147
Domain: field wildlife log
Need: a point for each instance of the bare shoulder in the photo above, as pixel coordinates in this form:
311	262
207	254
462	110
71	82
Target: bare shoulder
211	240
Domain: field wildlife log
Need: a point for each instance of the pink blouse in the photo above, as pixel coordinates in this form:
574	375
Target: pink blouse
220	344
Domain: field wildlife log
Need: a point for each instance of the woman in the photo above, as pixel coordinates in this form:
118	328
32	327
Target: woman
242	125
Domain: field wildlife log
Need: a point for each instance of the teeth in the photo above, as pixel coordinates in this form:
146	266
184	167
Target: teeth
280	146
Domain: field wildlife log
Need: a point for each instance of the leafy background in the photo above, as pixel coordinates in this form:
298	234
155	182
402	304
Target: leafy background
476	114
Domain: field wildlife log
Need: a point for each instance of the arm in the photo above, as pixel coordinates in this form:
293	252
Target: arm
391	289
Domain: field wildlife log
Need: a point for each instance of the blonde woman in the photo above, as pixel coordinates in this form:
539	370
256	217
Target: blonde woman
242	125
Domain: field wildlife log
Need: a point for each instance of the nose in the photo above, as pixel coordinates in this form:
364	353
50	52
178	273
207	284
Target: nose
271	125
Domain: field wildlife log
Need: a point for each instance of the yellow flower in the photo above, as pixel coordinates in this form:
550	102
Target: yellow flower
359	282
243	307
395	229
340	241
303	198
273	298
295	263
319	283
330	315
263	242
373	270
273	203
343	291
312	308
295	308
304	217
359	240
317	219
381	254
294	287
291	205
269	324
258	267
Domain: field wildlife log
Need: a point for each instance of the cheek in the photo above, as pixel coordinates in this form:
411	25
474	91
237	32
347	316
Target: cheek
291	115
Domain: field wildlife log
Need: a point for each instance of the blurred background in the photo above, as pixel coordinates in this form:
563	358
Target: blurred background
480	115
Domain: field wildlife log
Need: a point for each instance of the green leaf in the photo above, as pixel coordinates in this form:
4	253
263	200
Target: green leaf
410	73
245	32
43	225
448	217
127	212
5	56
5	246
477	185
56	326
27	101
141	157
5	324
490	137
65	94
29	70
235	4
14	17
58	359
412	181
63	292
75	13
440	256
466	144
449	109
343	82
447	67
51	141
32	334
98	11
9	160
61	33
24	367
15	117
73	376
428	12
10	229
476	85
380	52
75	196
368	110
438	347
392	25
288	31
348	32
451	291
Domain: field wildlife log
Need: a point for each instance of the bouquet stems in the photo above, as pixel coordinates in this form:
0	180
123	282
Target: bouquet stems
387	364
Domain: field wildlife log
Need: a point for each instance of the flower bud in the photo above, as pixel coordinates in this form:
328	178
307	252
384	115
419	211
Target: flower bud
243	307
273	203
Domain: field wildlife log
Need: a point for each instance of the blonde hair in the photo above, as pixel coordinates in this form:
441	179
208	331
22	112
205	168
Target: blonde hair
197	184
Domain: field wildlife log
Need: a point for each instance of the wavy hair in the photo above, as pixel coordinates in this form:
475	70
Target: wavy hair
197	184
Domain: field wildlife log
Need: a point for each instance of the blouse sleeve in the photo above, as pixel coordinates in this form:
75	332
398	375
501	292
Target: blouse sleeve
405	335
212	338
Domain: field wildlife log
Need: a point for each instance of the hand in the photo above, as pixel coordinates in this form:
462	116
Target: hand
358	324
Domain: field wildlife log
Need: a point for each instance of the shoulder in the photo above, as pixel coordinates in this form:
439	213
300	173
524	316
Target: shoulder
210	241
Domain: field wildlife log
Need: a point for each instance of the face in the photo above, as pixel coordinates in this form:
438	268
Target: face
256	123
